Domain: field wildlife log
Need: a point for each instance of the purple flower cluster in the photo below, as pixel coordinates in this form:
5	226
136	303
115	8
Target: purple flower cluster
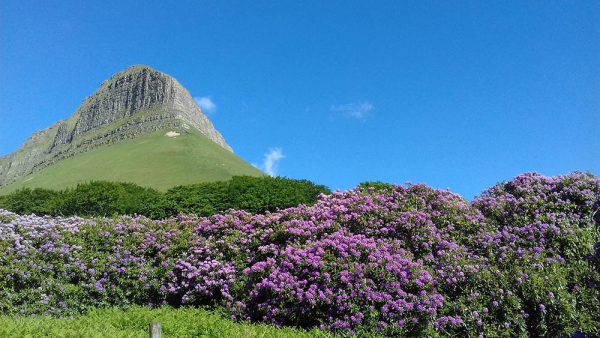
400	260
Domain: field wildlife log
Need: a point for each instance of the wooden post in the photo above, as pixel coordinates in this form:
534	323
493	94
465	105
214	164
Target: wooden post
155	330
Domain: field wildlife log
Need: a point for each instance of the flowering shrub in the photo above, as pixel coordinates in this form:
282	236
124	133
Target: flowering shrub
398	260
541	228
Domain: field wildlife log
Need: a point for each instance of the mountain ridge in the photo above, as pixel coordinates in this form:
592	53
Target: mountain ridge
136	101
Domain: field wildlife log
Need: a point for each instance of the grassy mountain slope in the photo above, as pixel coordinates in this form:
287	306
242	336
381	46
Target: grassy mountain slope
153	160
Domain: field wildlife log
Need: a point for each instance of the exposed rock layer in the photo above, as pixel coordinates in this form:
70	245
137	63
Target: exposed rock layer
135	101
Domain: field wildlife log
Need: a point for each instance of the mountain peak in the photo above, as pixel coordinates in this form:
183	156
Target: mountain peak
137	70
140	67
135	101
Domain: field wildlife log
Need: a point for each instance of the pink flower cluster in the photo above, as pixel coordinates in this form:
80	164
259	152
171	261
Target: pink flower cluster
400	260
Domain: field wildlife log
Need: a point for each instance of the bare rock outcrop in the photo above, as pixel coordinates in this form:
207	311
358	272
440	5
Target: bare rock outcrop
133	102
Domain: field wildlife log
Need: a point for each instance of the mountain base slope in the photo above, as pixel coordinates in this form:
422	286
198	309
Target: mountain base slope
155	160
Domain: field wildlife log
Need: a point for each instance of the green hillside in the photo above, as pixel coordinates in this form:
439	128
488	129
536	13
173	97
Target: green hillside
153	160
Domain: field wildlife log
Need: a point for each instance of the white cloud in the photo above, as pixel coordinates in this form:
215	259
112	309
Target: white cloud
271	160
357	110
206	104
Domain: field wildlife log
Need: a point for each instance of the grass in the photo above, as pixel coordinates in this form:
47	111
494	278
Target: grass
153	160
133	322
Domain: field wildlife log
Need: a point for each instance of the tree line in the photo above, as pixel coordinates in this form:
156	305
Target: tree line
102	198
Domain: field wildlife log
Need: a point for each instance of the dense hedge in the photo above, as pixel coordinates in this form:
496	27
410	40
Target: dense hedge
521	260
100	198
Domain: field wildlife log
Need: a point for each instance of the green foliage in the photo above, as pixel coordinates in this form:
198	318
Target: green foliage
201	199
133	322
31	201
373	186
101	198
252	194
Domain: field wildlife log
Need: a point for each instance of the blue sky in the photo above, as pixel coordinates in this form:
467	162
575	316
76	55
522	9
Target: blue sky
457	95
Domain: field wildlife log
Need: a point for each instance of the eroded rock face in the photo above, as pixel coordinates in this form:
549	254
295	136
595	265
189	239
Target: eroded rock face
133	102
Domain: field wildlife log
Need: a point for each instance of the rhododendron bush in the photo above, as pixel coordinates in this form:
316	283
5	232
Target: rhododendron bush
521	259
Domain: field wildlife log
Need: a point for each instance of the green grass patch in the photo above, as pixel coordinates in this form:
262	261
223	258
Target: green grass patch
133	322
153	160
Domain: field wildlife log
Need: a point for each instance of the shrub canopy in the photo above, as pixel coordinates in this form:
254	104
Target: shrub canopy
101	198
520	260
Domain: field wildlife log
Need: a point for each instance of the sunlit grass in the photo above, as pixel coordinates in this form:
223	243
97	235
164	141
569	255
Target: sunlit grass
153	160
133	322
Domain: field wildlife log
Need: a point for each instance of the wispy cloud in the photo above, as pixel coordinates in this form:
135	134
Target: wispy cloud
357	110
271	160
206	104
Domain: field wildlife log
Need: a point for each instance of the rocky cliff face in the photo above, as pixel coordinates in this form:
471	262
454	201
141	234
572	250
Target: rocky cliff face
135	101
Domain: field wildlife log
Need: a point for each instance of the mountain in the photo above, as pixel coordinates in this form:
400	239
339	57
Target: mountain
140	126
